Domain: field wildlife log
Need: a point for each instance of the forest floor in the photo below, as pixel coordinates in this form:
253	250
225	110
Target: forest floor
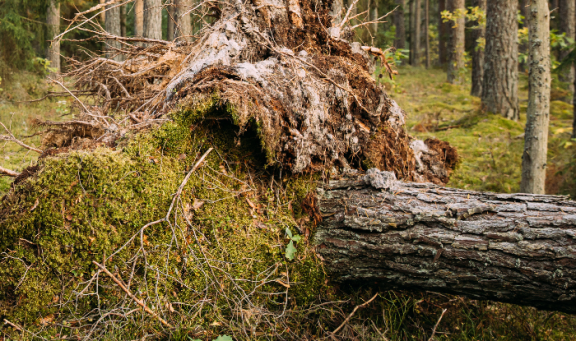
490	149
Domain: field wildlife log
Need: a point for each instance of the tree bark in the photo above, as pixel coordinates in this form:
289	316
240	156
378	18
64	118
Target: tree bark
516	248
427	34
153	19
443	34
567	15
416	30
123	21
400	39
374	16
53	25
112	26
183	20
478	53
500	90
538	113
139	18
171	22
456	44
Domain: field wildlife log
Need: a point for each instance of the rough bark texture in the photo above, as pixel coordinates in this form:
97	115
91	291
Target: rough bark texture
567	15
444	35
538	113
478	54
112	26
516	248
500	86
400	39
139	18
456	44
416	33
153	19
183	21
123	20
53	25
374	16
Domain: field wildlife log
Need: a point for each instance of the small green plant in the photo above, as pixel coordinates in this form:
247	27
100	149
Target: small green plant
291	249
42	66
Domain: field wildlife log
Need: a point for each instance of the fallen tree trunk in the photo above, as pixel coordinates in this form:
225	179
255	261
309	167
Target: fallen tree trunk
516	248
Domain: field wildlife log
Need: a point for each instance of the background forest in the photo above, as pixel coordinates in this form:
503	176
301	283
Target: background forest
439	50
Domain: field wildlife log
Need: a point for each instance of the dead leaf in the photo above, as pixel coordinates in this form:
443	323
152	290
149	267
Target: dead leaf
215	324
197	204
223	169
35	205
170	307
251	204
286	285
145	240
68	217
47	319
92	239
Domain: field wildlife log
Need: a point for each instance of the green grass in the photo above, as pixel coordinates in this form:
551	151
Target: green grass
18	118
489	145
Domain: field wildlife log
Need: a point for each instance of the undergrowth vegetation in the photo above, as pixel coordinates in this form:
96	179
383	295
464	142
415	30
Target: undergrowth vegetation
214	260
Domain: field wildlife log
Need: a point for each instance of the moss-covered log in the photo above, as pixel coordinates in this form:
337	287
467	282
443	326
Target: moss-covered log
516	248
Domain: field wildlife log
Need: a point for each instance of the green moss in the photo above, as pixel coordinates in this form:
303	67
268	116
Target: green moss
84	206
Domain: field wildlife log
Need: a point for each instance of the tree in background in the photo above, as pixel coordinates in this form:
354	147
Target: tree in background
183	21
477	36
112	26
374	16
456	42
443	33
123	20
426	33
171	25
53	26
567	25
537	115
139	18
500	85
416	30
153	19
400	38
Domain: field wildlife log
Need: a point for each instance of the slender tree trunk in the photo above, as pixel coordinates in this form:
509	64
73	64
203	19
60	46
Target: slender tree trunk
538	113
574	111
139	18
516	248
122	21
153	19
478	54
183	20
53	25
456	44
171	21
102	14
443	35
112	26
374	15
416	29
500	86
427	34
567	25
411	30
400	39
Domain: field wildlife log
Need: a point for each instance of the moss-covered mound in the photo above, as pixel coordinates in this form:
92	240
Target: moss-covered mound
219	263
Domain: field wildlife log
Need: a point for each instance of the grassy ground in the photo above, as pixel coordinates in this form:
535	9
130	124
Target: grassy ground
18	116
489	145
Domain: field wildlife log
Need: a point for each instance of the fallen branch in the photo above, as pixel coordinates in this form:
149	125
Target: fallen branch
127	291
8	172
436	326
12	138
353	312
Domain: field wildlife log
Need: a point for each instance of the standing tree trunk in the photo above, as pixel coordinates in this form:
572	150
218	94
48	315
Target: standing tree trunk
139	18
112	26
171	22
183	22
500	86
400	39
567	25
427	34
123	20
443	35
416	29
516	248
103	13
374	16
478	53
53	24
456	44
153	19
537	115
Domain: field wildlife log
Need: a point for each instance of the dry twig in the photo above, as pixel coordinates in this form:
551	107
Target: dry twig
352	314
12	138
8	172
436	326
